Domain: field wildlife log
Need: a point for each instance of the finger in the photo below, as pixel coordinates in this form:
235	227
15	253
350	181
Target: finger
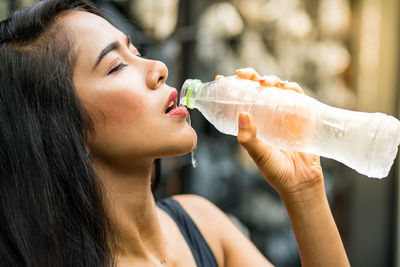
290	86
219	77
247	137
248	74
269	80
274	81
247	129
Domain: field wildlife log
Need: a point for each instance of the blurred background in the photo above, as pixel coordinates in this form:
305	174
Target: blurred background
343	52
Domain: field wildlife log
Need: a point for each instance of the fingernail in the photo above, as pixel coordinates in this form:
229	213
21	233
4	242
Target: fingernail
243	121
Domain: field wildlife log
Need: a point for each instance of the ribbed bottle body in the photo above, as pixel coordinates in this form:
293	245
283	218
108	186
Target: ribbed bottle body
366	142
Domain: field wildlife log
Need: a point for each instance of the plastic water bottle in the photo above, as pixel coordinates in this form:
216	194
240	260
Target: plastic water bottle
366	142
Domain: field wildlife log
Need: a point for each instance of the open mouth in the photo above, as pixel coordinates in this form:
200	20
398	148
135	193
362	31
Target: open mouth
171	105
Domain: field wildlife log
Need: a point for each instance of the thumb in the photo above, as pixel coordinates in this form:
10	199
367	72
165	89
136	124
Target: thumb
247	129
247	137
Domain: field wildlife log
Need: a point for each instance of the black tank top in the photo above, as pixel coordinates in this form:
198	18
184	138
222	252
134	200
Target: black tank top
201	251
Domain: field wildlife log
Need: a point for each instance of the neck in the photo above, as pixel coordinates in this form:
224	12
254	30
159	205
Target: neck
133	211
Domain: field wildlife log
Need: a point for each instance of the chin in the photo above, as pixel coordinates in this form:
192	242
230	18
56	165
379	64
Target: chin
189	142
183	144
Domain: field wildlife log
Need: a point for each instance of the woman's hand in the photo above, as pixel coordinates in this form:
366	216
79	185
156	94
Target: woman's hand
286	171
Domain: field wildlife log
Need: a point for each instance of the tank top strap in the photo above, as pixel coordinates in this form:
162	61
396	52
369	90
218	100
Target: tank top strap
198	245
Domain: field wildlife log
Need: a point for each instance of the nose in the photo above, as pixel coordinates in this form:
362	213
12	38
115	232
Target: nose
157	74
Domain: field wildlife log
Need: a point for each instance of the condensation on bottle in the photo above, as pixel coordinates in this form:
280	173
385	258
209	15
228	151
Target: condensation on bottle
285	119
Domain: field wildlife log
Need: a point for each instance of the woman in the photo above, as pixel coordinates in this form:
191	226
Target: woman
83	119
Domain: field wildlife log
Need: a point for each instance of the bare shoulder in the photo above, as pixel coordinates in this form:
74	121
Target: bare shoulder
203	212
199	206
208	219
229	245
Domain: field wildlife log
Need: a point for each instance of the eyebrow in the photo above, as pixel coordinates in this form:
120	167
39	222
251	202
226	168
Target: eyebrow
111	47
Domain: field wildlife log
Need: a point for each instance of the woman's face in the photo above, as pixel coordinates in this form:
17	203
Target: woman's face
125	95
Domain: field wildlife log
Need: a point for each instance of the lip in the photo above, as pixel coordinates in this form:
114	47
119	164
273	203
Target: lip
173	96
179	111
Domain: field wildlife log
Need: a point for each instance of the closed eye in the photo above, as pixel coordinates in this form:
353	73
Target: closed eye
117	68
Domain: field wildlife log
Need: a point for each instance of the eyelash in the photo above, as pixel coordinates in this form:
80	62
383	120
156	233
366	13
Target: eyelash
117	68
122	65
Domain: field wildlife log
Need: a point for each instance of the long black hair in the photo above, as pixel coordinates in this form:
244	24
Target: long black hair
52	210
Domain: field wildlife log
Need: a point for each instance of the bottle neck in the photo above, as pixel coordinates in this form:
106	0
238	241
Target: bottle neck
188	92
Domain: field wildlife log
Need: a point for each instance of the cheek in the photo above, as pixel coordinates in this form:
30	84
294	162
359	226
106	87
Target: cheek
119	121
119	109
112	99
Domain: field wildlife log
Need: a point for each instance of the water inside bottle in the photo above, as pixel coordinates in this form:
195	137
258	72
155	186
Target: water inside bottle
194	162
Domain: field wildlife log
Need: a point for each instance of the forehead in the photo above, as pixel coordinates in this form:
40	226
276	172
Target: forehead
90	33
